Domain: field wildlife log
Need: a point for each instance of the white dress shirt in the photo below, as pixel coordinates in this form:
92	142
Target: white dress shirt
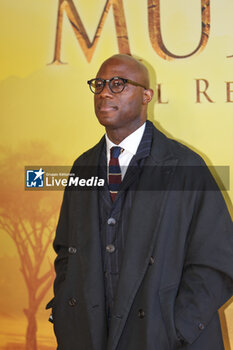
130	145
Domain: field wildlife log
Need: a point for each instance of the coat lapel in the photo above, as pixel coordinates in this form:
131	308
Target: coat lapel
86	224
143	231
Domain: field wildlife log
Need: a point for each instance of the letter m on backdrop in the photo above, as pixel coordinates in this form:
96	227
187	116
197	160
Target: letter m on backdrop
88	47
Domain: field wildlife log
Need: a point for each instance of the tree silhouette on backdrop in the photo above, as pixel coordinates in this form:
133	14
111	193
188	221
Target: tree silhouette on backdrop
29	218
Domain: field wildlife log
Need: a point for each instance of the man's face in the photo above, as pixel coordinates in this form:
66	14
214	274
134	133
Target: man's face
120	110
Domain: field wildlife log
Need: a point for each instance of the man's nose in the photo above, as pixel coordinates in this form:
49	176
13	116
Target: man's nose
106	92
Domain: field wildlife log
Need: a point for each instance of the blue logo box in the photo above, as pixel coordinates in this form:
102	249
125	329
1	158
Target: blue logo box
35	178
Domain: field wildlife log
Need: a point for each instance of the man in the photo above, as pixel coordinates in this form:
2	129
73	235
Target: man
145	263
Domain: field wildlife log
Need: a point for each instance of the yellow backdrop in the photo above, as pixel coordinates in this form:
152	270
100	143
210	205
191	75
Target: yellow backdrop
47	118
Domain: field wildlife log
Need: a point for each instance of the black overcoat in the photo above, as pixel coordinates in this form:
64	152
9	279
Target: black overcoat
177	268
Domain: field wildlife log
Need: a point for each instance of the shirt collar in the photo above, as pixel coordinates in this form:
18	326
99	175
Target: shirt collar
130	143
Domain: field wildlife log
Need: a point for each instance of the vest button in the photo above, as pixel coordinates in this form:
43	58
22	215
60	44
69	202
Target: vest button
72	301
72	250
110	248
111	221
141	313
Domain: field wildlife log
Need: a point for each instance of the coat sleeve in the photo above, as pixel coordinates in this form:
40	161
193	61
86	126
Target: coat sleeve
63	238
60	245
207	277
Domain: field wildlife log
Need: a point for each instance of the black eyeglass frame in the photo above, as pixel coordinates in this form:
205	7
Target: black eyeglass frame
125	81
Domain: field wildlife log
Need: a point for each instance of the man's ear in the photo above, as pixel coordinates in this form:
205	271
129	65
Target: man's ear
147	96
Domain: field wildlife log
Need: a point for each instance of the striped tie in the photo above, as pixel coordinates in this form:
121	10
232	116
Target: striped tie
114	175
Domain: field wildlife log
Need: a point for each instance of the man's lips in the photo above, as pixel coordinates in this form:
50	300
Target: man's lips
107	107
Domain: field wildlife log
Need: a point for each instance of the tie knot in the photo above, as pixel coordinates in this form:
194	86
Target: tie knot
115	151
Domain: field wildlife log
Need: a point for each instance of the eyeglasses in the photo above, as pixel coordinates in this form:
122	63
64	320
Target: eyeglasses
116	84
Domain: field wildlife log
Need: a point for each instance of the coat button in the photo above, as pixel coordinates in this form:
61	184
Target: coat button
141	313
111	221
72	250
72	301
152	260
201	326
110	248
